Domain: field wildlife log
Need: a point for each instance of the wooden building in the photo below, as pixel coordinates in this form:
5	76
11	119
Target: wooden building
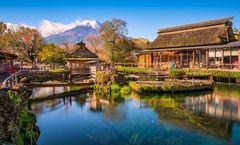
208	44
82	60
8	62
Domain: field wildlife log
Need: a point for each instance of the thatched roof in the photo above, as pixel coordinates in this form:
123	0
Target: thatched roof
235	44
212	32
81	51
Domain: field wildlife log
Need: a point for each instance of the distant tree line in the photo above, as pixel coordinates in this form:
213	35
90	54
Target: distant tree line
28	44
115	43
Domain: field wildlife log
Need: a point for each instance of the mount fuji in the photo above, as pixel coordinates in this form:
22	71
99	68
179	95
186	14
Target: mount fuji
76	34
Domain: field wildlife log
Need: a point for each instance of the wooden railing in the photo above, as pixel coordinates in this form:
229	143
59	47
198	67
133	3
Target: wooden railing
166	65
14	79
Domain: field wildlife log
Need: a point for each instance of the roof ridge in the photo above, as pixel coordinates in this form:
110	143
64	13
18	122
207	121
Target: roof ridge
196	25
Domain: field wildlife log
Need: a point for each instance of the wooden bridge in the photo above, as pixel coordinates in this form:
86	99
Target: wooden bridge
76	79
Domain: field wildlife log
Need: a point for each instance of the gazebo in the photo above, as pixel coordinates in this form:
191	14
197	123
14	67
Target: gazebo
82	60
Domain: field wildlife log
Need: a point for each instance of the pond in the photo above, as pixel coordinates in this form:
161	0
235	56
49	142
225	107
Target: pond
192	118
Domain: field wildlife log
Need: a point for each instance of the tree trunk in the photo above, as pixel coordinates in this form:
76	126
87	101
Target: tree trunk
34	64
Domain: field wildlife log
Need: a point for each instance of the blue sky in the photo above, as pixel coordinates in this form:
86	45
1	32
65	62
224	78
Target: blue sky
144	17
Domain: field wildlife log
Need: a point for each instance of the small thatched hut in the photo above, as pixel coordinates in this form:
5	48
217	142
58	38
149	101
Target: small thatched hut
82	60
208	44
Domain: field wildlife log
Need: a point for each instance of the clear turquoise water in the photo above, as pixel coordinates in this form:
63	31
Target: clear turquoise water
193	119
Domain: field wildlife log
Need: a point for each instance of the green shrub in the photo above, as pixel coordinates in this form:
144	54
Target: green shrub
126	90
162	88
102	89
177	73
135	86
214	73
57	70
15	97
115	88
134	69
103	77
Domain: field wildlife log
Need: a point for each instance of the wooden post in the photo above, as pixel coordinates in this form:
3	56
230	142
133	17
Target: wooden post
70	72
207	59
222	58
144	60
199	58
161	59
169	57
10	81
181	59
215	57
151	63
238	59
193	62
187	59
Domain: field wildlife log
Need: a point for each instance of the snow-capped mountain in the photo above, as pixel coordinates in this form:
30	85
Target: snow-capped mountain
15	27
48	28
73	35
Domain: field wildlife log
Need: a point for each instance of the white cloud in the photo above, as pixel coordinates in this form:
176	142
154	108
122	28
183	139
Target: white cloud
48	28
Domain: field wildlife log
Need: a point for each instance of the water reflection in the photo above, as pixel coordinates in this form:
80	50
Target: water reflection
196	118
41	92
222	104
215	112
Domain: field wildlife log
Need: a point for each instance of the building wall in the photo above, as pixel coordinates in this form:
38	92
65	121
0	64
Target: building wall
192	59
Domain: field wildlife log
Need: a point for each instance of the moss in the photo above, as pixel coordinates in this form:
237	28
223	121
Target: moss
28	133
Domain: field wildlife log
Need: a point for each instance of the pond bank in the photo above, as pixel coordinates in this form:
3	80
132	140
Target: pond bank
17	124
169	87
